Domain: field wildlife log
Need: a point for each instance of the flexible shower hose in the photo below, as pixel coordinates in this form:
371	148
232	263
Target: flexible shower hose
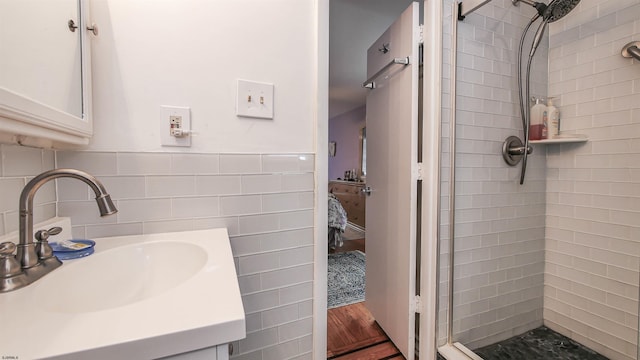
523	110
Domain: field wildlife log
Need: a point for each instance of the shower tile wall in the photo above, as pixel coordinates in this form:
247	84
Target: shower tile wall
593	189
499	246
264	200
18	165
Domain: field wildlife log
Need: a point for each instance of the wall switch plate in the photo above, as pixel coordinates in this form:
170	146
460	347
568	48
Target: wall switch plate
254	99
175	126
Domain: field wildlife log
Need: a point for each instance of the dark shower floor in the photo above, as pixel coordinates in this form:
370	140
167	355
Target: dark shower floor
538	344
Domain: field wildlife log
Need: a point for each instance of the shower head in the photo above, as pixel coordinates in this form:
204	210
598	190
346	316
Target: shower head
555	11
558	9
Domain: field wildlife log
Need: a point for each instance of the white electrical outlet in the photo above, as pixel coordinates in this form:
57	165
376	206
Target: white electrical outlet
175	126
254	99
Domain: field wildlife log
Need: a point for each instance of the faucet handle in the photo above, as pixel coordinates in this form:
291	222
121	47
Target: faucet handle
6	249
43	235
9	266
43	249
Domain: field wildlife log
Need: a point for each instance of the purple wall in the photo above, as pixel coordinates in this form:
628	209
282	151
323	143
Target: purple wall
345	131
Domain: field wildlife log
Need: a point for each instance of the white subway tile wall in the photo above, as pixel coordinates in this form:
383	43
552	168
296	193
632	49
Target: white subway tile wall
265	201
593	189
444	263
499	232
18	165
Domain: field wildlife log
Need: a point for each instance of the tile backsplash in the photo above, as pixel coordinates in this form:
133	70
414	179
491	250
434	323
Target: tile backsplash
265	201
18	165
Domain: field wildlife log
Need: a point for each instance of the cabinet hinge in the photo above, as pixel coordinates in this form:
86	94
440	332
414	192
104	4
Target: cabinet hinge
418	304
420	170
421	34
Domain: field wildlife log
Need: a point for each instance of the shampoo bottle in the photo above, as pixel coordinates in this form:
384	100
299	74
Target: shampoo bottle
554	119
536	125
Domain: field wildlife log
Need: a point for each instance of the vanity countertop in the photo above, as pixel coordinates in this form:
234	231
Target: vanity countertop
203	310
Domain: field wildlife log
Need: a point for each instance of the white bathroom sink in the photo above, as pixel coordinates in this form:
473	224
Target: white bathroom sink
142	297
143	271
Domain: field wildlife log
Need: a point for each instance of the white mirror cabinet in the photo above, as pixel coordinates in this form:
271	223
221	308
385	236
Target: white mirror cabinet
45	73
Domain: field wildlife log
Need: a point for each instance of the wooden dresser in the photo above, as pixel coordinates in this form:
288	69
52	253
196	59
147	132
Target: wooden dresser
352	199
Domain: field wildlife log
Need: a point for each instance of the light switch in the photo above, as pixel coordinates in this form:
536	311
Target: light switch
254	99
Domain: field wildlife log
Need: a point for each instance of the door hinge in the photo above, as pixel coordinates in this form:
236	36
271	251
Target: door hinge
421	34
420	171
417	304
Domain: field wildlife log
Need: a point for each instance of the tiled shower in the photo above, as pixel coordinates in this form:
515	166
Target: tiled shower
563	249
499	224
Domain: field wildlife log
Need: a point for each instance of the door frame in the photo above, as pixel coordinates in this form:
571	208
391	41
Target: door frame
431	150
432	95
321	121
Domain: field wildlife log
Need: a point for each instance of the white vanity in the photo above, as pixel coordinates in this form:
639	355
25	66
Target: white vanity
172	295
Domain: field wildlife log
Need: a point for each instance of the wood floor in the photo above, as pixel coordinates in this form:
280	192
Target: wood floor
352	333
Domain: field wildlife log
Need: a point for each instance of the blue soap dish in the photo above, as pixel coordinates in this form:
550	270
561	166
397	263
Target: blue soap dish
64	253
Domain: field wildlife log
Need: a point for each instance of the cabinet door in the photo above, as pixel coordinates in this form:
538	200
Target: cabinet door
45	84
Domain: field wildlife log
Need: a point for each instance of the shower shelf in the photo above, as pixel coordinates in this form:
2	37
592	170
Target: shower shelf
562	139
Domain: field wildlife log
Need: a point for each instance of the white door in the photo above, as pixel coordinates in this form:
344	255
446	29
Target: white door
392	148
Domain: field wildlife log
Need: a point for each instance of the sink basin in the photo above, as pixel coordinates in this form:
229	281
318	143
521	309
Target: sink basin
137	297
144	270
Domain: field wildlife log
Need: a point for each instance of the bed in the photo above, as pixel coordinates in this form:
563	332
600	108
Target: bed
337	222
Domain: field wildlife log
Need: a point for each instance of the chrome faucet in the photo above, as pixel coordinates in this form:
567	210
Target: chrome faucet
31	262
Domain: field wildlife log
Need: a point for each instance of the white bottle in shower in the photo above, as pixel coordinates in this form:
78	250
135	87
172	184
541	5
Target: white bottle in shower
554	119
537	115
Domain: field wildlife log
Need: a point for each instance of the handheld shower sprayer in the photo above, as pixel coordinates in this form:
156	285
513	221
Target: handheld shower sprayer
538	37
556	10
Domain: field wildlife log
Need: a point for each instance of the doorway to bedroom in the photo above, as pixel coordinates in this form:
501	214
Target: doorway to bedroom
350	326
354	26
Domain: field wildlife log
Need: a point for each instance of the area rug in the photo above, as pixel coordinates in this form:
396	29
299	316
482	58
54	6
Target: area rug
345	278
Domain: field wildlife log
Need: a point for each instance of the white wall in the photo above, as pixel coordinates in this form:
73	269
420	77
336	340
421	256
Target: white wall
345	131
190	53
593	189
